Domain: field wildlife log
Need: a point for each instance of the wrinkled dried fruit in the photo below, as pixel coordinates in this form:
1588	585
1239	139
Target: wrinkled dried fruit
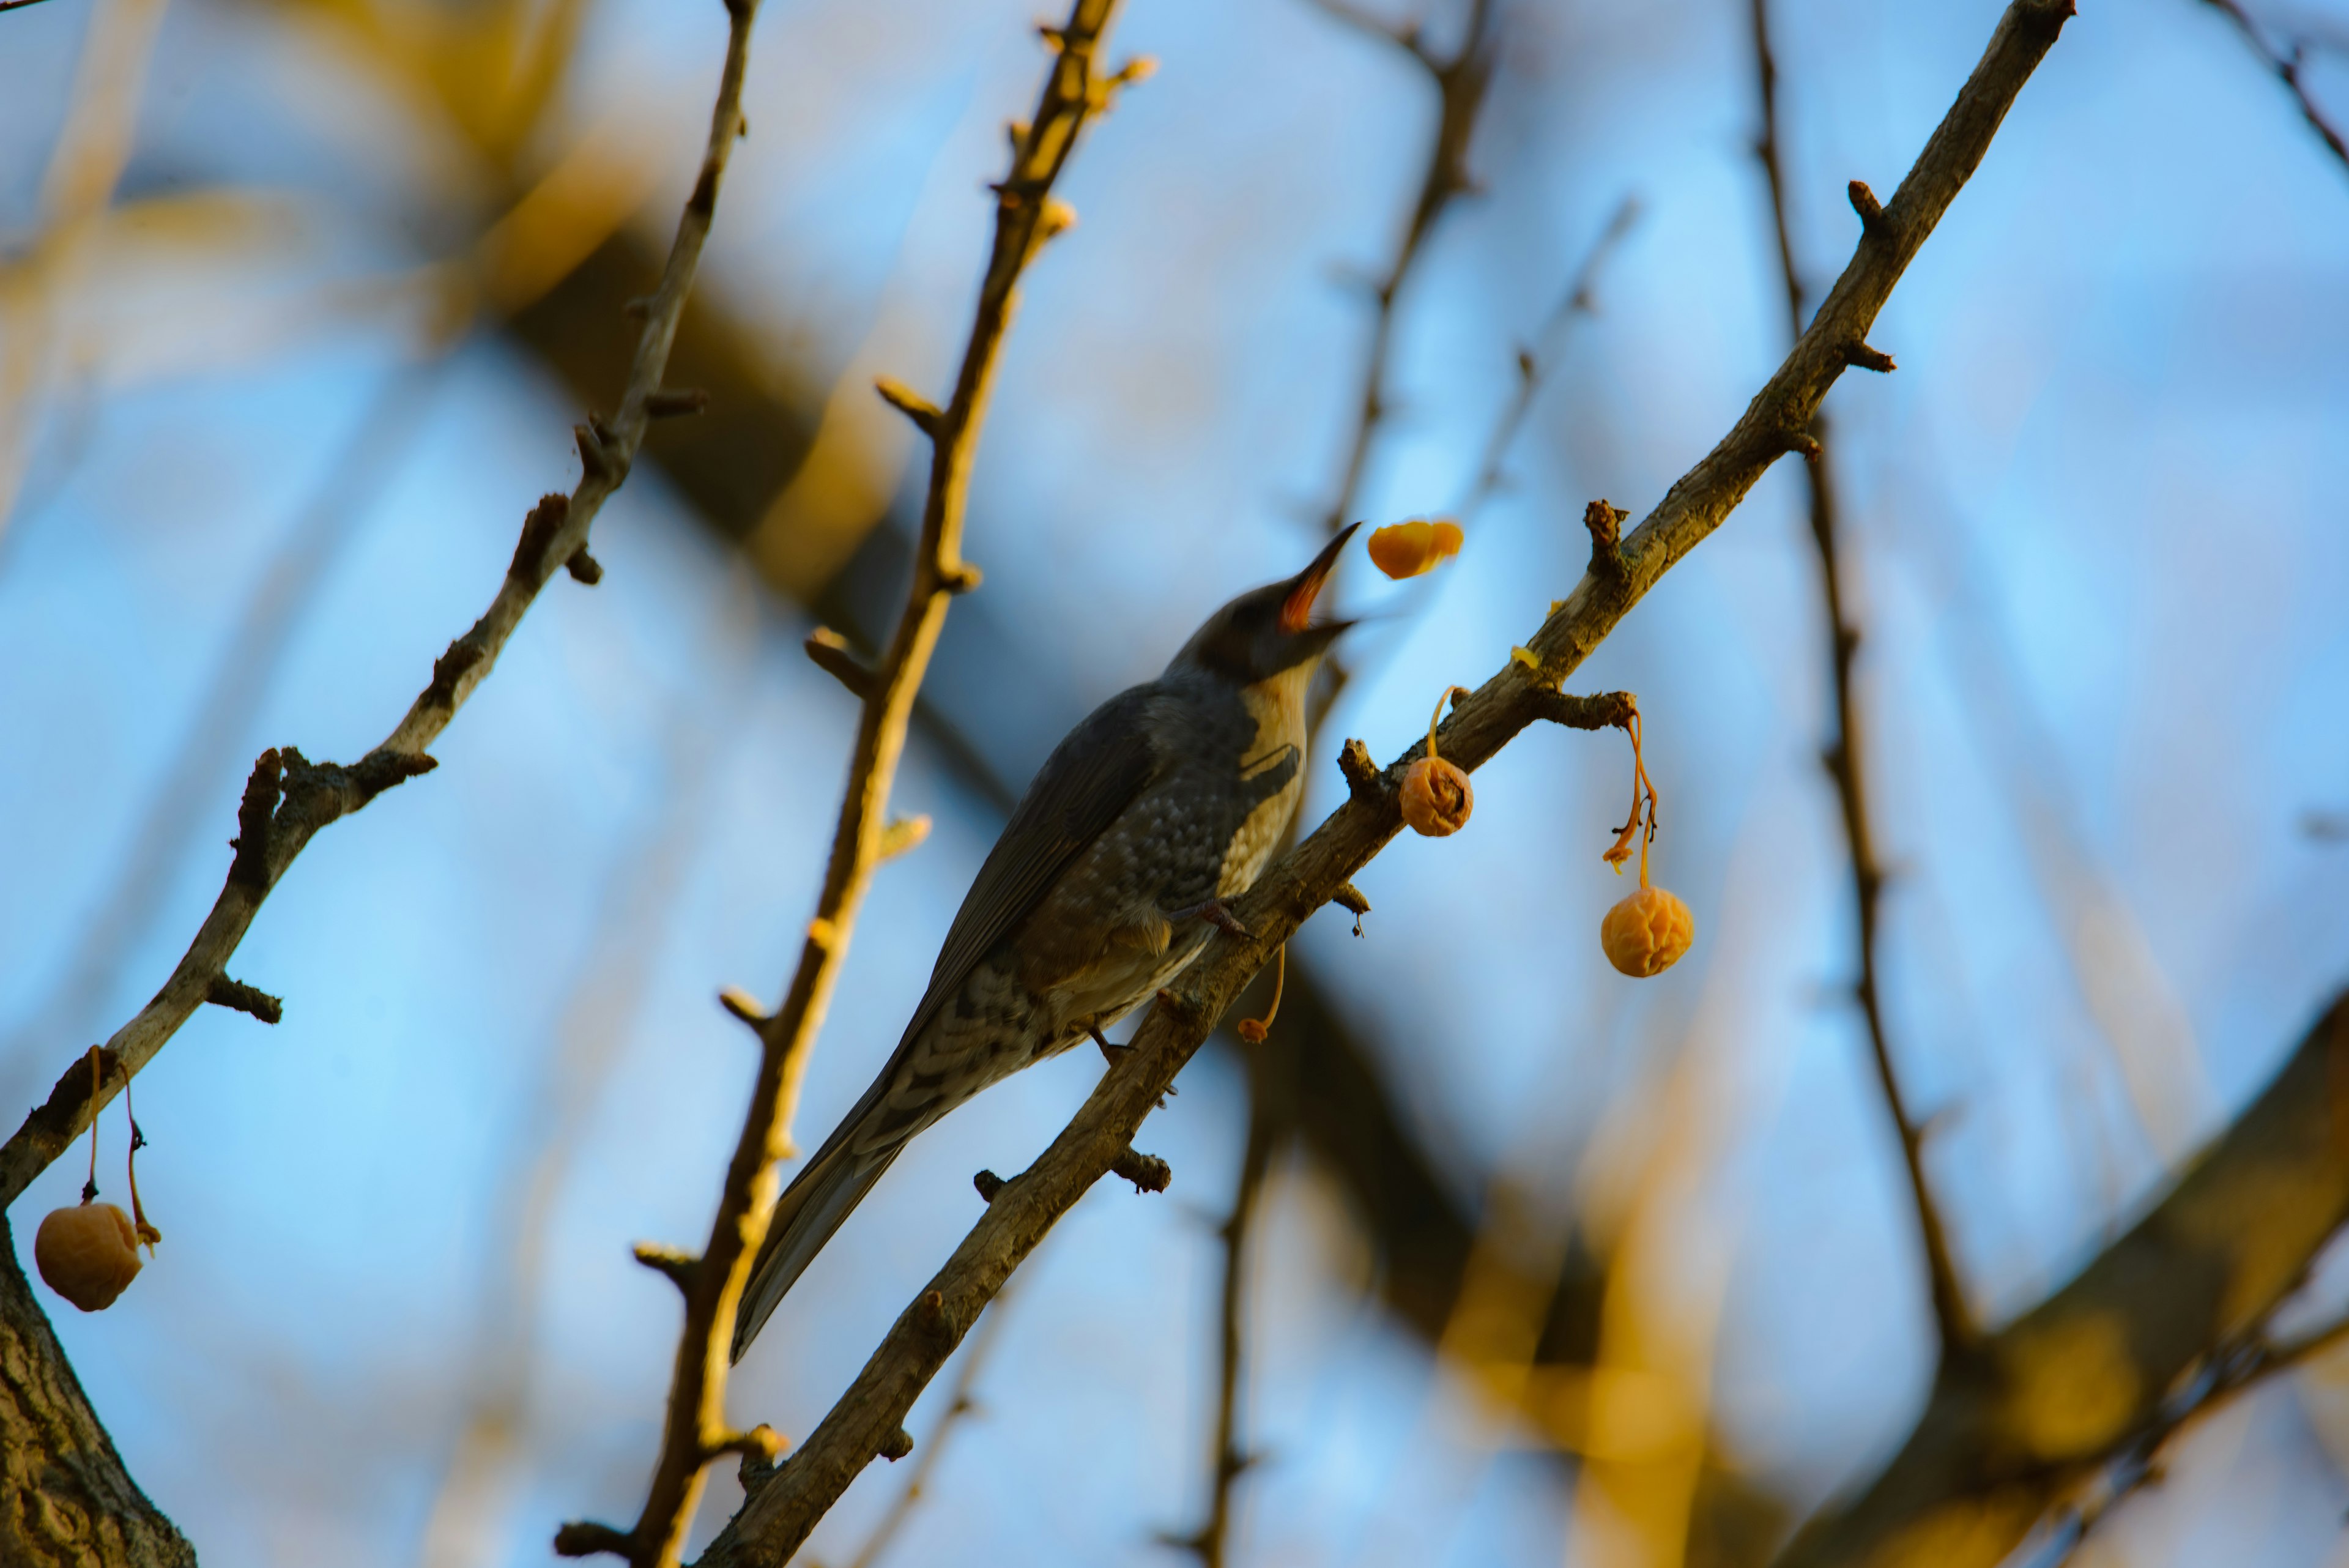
1436	797
88	1253
1406	549
1647	933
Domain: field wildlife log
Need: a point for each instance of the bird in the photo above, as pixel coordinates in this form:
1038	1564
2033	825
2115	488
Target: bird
1111	876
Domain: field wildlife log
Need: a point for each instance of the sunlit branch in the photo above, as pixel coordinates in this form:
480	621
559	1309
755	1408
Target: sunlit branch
1845	754
2171	1318
961	1404
695	1431
288	799
784	1507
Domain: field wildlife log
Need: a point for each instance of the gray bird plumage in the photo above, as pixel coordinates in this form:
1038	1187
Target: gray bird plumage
1167	799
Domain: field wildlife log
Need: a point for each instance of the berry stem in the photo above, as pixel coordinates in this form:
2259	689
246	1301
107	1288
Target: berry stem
97	1084
1437	716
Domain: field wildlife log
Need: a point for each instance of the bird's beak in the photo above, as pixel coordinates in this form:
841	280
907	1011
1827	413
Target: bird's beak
1297	610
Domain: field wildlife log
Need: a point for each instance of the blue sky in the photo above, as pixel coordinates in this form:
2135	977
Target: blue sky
2095	524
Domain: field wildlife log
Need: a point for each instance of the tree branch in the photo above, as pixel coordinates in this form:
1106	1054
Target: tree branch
2165	1319
1461	80
288	799
1844	753
1535	358
779	1513
65	1502
2286	65
1230	1459
694	1432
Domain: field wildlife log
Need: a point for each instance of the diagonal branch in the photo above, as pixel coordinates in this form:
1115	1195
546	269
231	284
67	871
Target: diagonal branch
1844	753
2286	64
695	1431
288	799
784	1507
2163	1322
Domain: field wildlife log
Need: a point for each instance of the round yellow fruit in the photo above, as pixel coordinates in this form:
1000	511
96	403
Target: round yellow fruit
1647	933
88	1253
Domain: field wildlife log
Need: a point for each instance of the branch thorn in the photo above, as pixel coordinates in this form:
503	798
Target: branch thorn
1146	1171
1363	777
674	402
234	993
906	833
910	403
585	1538
744	1006
1870	210
830	651
678	1267
1860	356
1605	521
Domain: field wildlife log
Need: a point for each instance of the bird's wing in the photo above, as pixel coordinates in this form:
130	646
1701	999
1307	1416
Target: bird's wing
1091	777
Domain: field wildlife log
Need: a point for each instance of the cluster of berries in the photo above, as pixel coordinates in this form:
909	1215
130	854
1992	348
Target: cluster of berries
1643	935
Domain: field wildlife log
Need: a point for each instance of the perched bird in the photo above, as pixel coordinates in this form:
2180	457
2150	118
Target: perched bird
1108	879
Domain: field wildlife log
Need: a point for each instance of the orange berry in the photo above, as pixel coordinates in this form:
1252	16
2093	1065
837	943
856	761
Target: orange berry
88	1253
1647	933
1406	549
1436	797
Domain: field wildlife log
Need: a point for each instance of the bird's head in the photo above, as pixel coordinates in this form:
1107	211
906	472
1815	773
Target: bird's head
1271	630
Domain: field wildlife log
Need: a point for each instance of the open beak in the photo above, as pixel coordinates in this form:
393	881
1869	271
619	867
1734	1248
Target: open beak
1297	610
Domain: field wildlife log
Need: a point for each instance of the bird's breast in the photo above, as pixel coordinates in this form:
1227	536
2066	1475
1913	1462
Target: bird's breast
1276	750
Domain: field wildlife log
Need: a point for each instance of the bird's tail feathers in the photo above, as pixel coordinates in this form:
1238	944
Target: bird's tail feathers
810	1210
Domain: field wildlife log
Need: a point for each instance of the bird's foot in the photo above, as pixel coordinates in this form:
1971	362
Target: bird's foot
1113	1054
1216	913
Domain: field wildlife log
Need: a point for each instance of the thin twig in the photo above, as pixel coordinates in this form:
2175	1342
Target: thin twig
1844	753
1535	359
2227	1371
207	752
695	1431
288	799
2286	64
1230	1459
1461	79
781	1510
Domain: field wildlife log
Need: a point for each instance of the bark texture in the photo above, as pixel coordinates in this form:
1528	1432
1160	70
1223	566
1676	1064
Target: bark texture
65	1502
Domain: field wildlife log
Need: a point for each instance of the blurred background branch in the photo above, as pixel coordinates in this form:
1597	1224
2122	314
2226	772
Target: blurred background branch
1844	753
1509	1187
2287	59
